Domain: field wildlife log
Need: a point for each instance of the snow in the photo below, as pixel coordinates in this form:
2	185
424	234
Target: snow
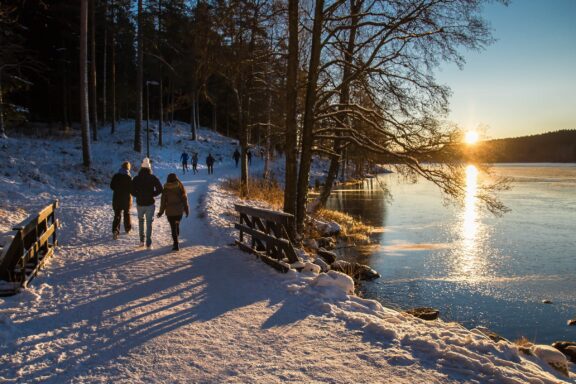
108	311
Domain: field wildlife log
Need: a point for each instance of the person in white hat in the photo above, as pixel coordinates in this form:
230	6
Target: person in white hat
145	186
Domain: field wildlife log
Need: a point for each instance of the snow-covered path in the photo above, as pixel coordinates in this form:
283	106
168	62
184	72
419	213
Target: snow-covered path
107	311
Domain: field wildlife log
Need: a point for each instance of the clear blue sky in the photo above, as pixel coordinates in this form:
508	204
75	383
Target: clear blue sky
525	83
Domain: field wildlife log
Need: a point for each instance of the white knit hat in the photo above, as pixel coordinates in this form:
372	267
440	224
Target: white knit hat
146	163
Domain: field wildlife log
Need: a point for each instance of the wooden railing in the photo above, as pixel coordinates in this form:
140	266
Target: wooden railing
267	235
33	244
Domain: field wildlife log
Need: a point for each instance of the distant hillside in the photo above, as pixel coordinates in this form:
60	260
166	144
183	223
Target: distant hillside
551	147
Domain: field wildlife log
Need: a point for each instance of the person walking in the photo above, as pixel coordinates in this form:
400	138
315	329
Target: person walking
210	163
175	203
249	155
121	184
184	159
236	157
145	186
195	162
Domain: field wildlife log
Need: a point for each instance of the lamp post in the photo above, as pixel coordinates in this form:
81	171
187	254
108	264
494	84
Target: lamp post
148	82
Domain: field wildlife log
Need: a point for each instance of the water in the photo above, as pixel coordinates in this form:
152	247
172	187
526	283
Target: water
476	268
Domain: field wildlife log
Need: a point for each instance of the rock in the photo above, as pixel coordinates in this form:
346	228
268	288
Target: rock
311	243
366	273
322	264
571	322
326	243
424	313
552	356
328	256
568	348
340	265
298	265
490	334
355	270
546	301
311	268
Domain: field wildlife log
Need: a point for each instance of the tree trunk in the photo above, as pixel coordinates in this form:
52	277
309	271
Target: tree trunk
193	117
139	81
291	151
197	110
308	125
84	112
335	161
266	174
93	88
105	63
243	141
161	112
2	128
113	69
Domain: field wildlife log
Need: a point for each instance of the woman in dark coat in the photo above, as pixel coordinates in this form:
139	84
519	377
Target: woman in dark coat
175	203
121	200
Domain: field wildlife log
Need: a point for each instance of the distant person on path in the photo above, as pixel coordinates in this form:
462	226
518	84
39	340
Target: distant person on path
184	159
195	162
236	157
175	203
210	164
145	186
249	155
121	184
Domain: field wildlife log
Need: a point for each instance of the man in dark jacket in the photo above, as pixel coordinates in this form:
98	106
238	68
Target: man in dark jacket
210	164
145	186
121	184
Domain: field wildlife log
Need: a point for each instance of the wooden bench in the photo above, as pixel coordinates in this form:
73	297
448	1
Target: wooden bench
268	235
33	243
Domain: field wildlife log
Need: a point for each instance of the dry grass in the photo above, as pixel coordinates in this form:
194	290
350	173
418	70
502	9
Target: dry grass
352	229
268	191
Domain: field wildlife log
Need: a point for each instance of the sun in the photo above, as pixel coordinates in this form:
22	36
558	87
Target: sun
471	137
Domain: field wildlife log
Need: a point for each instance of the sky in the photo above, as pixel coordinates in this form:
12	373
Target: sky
524	83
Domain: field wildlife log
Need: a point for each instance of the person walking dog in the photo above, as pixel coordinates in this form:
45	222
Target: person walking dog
174	203
121	184
145	186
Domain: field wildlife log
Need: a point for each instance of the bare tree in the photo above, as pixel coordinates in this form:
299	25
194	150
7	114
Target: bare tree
93	88
84	117
139	81
291	150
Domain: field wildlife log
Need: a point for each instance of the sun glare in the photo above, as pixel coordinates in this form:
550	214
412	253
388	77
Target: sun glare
471	137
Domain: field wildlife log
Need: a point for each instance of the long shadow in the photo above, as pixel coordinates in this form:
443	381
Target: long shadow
215	283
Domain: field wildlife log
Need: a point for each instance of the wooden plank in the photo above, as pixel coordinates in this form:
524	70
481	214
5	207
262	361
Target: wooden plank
39	266
44	237
263	236
277	264
267	214
43	214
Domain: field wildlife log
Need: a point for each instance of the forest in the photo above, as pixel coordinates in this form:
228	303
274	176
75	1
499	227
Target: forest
550	147
350	80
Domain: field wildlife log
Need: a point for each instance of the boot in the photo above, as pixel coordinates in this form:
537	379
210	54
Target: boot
175	247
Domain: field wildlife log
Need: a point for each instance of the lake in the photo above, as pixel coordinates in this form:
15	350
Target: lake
476	268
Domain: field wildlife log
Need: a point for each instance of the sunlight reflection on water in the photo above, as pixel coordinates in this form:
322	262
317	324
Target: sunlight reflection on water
476	268
468	264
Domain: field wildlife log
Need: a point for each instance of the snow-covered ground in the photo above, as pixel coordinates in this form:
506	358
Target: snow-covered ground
107	311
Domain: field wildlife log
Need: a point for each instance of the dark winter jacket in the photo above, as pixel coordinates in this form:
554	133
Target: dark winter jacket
145	186
121	184
209	160
174	201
